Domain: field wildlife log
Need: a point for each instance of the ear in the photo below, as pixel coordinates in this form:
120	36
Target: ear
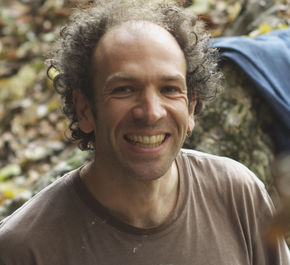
191	122
84	112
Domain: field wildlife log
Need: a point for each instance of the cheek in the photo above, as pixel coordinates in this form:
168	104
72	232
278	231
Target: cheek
179	112
114	111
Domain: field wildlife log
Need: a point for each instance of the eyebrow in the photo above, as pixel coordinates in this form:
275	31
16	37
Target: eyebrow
177	77
120	77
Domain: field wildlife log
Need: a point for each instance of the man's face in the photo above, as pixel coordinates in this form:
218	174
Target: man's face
141	102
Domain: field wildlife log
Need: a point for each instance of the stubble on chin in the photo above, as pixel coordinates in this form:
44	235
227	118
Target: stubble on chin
136	180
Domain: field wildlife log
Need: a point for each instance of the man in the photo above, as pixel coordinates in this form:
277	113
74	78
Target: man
132	76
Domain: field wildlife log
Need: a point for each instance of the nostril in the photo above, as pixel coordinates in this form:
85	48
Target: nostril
149	113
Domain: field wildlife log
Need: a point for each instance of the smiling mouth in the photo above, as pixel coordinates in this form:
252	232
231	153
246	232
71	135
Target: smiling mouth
145	141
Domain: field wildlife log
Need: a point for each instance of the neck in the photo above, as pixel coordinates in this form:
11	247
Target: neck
138	203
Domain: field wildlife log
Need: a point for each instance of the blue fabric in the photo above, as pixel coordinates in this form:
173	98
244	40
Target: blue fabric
266	61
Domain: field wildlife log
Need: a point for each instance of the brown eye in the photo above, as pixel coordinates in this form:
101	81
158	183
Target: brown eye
169	89
124	89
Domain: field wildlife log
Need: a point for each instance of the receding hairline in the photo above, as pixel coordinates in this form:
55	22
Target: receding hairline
137	26
135	30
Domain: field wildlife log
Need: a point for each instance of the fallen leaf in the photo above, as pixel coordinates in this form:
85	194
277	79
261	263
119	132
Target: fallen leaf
9	171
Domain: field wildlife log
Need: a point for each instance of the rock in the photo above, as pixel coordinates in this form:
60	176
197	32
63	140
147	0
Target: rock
236	124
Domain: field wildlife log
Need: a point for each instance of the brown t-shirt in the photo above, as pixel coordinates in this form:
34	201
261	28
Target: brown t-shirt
220	209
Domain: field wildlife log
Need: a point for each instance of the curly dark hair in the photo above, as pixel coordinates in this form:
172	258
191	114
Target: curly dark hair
71	55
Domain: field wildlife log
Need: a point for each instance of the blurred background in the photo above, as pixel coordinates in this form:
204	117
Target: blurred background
33	149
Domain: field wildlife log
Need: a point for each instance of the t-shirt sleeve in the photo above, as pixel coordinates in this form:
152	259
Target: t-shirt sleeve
263	253
256	210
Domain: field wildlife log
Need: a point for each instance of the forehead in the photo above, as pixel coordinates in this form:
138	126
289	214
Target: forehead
137	37
147	53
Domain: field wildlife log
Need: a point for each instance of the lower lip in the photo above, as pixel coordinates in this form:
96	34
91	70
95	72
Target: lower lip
148	150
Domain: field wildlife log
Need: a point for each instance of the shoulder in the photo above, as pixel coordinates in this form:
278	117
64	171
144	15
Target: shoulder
222	168
45	198
229	189
21	231
234	196
217	161
226	179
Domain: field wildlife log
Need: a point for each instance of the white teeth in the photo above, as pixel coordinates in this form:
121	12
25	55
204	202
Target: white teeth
153	139
158	138
146	141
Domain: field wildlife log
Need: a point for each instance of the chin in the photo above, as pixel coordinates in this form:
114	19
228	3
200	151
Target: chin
146	175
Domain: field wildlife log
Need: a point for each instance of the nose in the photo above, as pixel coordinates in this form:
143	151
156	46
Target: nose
150	107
